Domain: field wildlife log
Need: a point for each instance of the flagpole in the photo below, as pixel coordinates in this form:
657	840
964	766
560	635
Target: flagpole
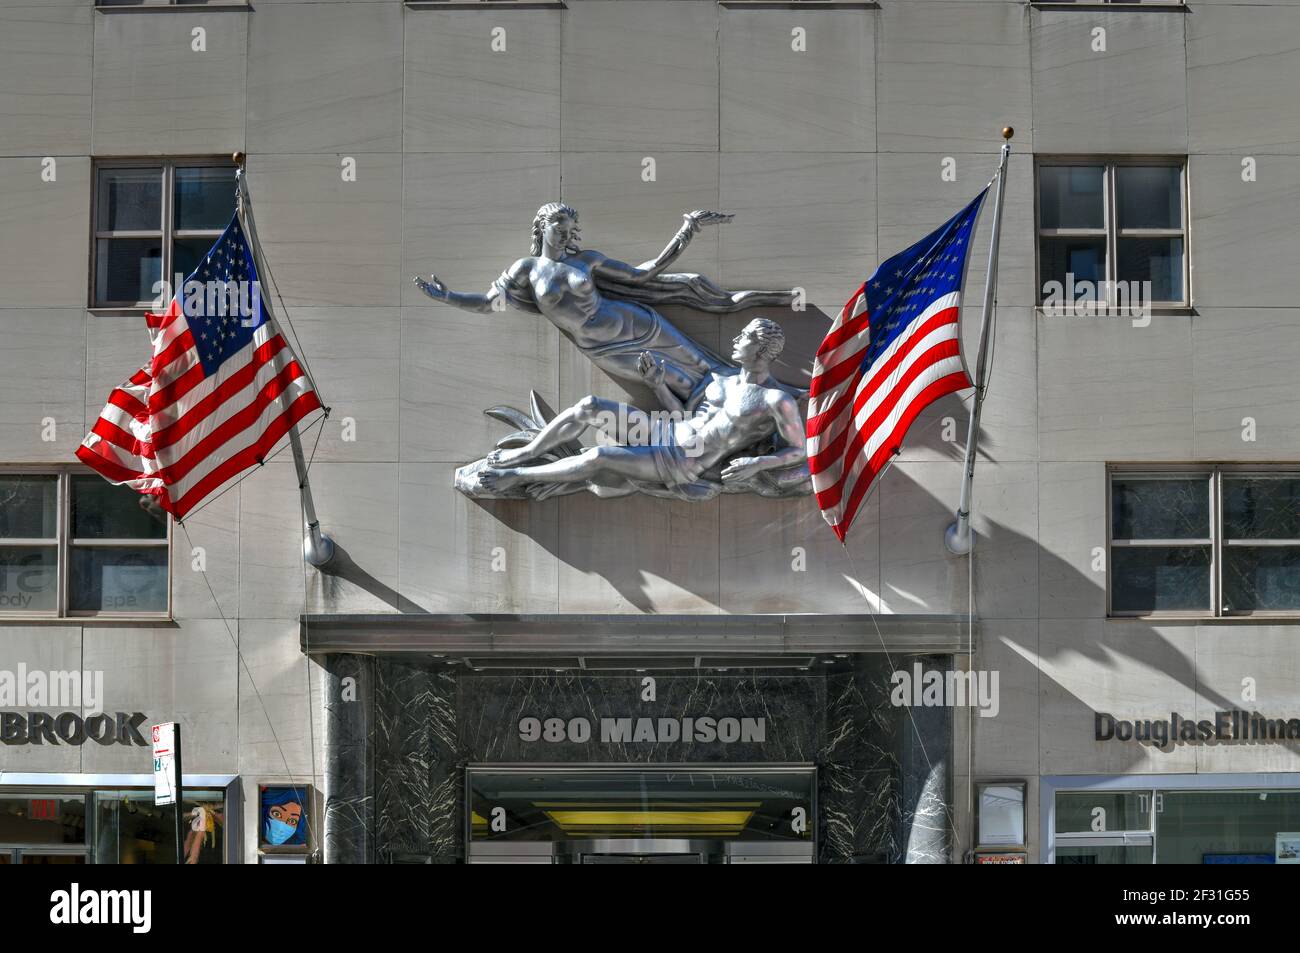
317	548
959	537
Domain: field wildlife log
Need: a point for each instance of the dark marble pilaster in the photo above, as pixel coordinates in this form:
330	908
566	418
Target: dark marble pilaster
858	789
418	787
349	736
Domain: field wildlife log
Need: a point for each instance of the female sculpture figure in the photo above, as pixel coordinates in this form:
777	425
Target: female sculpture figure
607	307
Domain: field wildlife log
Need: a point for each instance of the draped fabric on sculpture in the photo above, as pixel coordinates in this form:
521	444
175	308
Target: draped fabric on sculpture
685	290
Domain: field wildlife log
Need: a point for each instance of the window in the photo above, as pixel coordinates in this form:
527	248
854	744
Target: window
152	221
1218	541
43	828
130	829
1189	826
1108	228
1104	827
72	544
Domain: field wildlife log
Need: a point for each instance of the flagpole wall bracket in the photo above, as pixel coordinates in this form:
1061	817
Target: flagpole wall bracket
959	538
317	548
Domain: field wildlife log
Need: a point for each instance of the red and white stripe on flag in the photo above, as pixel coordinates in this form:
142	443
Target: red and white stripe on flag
173	431
859	412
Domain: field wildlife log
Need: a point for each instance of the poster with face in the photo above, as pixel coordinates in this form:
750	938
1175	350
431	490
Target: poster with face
284	816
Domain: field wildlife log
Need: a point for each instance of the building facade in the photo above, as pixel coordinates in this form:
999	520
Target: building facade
601	680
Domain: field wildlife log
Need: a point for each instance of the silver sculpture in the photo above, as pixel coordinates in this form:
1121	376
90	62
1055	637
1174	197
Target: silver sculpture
724	443
722	426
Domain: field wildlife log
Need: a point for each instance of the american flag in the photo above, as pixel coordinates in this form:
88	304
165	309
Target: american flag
221	388
893	349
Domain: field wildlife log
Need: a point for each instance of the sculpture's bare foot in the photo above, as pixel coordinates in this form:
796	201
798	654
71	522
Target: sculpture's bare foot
508	457
499	481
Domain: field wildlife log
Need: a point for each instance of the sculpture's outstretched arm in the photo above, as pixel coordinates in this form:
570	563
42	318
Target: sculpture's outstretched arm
435	289
694	221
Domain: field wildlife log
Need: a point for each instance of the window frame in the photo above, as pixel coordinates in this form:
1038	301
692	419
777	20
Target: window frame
65	544
1214	475
1110	229
167	233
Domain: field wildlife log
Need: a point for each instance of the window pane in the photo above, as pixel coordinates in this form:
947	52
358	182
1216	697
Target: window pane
188	252
204	197
1200	827
1002	815
126	269
43	820
129	200
1160	578
1149	196
1261	507
118	579
130	829
1100	811
29	578
1084	258
29	507
1071	196
101	510
1079	854
1259	578
1157	260
1160	509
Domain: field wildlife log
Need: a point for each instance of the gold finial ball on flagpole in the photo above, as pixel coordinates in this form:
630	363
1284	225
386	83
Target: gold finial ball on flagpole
1007	132
238	158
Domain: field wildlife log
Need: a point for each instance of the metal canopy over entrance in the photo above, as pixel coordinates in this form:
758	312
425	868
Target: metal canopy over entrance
594	634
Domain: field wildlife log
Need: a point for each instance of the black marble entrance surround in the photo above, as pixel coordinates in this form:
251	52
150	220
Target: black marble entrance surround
396	753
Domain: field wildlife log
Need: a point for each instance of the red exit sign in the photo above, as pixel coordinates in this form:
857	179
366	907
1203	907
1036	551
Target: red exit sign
44	810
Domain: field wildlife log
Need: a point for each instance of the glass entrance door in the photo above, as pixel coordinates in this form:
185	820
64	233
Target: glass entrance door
620	814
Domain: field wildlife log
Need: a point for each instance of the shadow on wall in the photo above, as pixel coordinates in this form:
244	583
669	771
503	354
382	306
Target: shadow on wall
343	568
655	555
732	555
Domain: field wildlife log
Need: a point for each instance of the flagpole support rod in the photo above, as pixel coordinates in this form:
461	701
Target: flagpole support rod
317	548
959	538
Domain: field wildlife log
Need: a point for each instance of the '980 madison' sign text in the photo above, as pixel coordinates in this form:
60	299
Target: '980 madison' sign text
703	730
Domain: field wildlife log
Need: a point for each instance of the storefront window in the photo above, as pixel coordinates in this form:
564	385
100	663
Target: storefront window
130	829
1228	827
1190	827
42	820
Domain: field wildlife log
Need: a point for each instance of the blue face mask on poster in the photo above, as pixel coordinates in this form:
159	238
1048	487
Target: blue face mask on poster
278	832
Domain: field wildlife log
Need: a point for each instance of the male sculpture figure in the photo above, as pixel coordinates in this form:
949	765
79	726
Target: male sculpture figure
686	455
